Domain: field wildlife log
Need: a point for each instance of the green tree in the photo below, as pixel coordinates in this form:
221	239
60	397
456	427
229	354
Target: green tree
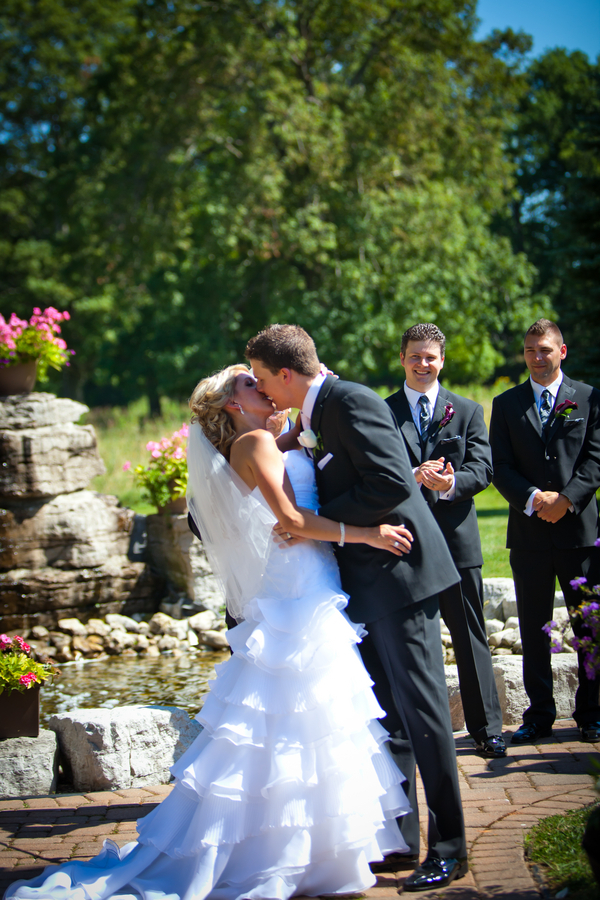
229	165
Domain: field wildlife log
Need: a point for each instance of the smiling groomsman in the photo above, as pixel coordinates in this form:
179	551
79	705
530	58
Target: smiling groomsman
447	442
545	437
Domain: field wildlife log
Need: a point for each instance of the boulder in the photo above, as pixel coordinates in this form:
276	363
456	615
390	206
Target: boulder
72	626
126	623
29	766
38	410
126	747
499	600
43	462
493	625
72	531
31	597
180	557
214	639
456	708
203	621
508	672
160	623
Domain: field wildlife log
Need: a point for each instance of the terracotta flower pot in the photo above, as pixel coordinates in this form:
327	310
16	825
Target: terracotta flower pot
19	379
20	713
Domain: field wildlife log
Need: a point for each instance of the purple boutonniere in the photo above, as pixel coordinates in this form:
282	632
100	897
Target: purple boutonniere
564	409
448	413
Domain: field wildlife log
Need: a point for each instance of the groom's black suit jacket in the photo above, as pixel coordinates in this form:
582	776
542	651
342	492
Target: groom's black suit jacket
565	456
369	481
463	441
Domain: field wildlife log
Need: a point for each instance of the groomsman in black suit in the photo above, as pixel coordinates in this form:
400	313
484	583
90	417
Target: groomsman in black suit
448	447
364	477
545	437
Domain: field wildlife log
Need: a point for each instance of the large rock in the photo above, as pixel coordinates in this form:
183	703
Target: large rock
30	597
43	462
456	708
28	766
38	410
499	601
180	557
131	746
72	531
508	672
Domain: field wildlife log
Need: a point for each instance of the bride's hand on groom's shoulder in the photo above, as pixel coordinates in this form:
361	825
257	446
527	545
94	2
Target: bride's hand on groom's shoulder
397	539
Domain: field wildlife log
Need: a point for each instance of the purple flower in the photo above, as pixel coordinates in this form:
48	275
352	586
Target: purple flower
448	413
576	583
548	627
597	542
555	646
588	608
563	409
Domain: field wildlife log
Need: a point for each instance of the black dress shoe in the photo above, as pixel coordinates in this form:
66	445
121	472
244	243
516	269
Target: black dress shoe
435	873
395	862
590	733
493	746
529	733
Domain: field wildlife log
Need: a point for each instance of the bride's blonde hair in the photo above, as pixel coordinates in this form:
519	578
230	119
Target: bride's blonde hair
208	402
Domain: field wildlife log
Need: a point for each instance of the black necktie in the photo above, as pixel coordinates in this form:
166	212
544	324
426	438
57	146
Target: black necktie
424	417
545	406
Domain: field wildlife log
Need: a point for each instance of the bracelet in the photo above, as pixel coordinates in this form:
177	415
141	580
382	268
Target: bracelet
342	535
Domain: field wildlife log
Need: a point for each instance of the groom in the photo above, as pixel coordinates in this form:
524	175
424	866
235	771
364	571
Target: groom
364	478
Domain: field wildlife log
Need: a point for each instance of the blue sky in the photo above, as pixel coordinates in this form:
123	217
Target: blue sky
574	24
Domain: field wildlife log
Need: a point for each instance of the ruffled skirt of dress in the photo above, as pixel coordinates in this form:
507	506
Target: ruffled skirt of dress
289	789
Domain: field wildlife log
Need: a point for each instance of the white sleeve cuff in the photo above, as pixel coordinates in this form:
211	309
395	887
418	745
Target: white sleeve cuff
451	493
529	505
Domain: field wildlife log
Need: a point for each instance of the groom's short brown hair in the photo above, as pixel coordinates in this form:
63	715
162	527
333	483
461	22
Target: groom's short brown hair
284	347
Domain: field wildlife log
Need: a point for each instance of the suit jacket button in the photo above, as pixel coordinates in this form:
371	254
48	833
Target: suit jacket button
548	484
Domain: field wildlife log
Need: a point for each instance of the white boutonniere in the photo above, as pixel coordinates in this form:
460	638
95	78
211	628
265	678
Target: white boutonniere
308	439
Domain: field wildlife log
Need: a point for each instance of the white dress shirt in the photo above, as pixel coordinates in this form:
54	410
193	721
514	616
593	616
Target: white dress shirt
537	392
414	398
310	398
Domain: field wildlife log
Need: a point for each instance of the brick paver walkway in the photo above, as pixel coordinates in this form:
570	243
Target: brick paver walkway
502	799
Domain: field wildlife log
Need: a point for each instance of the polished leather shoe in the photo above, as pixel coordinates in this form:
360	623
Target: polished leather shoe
395	862
529	733
493	746
435	873
590	733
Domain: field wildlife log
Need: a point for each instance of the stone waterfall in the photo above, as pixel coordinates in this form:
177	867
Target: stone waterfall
63	548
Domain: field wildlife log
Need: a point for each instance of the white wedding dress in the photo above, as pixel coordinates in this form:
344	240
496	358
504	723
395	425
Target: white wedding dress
289	789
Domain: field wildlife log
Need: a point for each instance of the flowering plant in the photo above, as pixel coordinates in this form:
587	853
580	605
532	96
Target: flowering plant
448	415
587	614
564	409
23	341
164	477
18	671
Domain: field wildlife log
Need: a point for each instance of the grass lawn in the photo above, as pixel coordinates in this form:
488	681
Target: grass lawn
123	433
555	844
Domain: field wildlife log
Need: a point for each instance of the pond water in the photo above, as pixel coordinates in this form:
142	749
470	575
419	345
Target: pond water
125	681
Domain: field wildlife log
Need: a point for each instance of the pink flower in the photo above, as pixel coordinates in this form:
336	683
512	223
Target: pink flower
126	466
21	644
151	445
156	454
178	454
185	430
27	679
5	641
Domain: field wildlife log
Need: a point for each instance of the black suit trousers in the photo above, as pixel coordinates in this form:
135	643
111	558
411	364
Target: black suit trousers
461	607
535	576
403	655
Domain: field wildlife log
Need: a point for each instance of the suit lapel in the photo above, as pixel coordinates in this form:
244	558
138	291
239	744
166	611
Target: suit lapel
434	428
565	392
317	413
407	426
527	400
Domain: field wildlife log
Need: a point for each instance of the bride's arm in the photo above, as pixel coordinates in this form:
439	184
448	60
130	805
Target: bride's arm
257	460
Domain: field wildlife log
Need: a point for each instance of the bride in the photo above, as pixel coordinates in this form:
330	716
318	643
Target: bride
289	789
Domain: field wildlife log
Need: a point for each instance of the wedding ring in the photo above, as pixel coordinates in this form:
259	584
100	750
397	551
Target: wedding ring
396	544
288	535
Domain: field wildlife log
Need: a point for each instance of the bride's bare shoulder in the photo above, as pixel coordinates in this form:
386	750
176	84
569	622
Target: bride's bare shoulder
253	443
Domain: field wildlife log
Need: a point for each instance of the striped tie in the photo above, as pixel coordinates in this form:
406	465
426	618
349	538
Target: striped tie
424	417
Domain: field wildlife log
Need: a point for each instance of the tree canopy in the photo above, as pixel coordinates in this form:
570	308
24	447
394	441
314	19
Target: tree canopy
180	174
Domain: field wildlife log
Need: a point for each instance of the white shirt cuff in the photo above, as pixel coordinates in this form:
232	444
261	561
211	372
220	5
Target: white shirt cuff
451	492
529	505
